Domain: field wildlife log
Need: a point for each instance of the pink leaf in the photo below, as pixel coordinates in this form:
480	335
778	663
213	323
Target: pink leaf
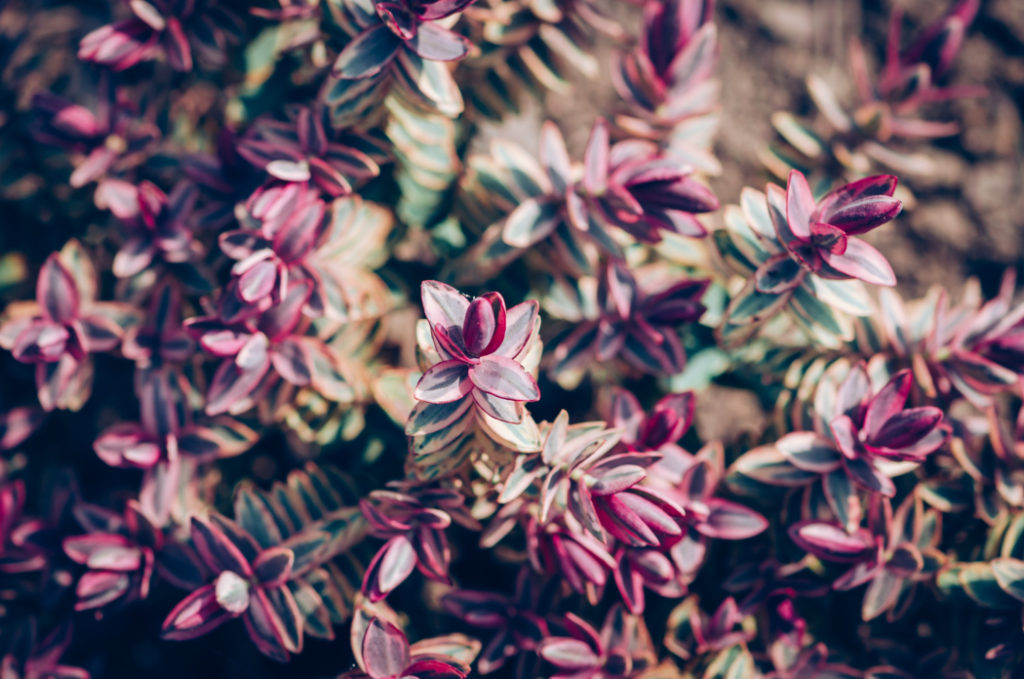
505	378
385	650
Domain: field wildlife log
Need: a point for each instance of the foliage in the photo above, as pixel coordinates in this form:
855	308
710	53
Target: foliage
221	402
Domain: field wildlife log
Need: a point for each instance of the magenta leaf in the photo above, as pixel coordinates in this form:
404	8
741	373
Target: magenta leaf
194	616
569	654
831	542
862	261
438	44
367	55
394	562
385	650
273	566
504	378
444	382
731	521
56	291
216	549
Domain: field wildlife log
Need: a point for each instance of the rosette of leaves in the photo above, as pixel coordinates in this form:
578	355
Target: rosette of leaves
122	554
271	568
107	137
801	255
165	30
519	204
631	319
382	650
576	213
519	627
718	641
258	350
401	45
955	350
885	126
892	555
325	595
302	149
478	360
28	656
667	83
412	523
157	229
63	327
622	648
862	438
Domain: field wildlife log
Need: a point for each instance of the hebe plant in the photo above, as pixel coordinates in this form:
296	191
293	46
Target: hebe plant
321	366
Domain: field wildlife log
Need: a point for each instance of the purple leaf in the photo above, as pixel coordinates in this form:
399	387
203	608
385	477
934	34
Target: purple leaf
480	324
830	542
273	566
393	563
868	477
367	55
731	521
809	451
519	322
615	477
231	384
906	428
881	595
288	170
569	654
194	616
385	650
499	408
889	401
282	318
799	205
56	291
863	262
866	214
432	553
217	551
96	589
505	378
265	627
292	361
443	305
445	382
438	44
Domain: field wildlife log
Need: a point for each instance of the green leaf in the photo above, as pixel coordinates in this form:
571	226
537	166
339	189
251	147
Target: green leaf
1009	573
751	306
254	515
701	369
980	584
801	137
